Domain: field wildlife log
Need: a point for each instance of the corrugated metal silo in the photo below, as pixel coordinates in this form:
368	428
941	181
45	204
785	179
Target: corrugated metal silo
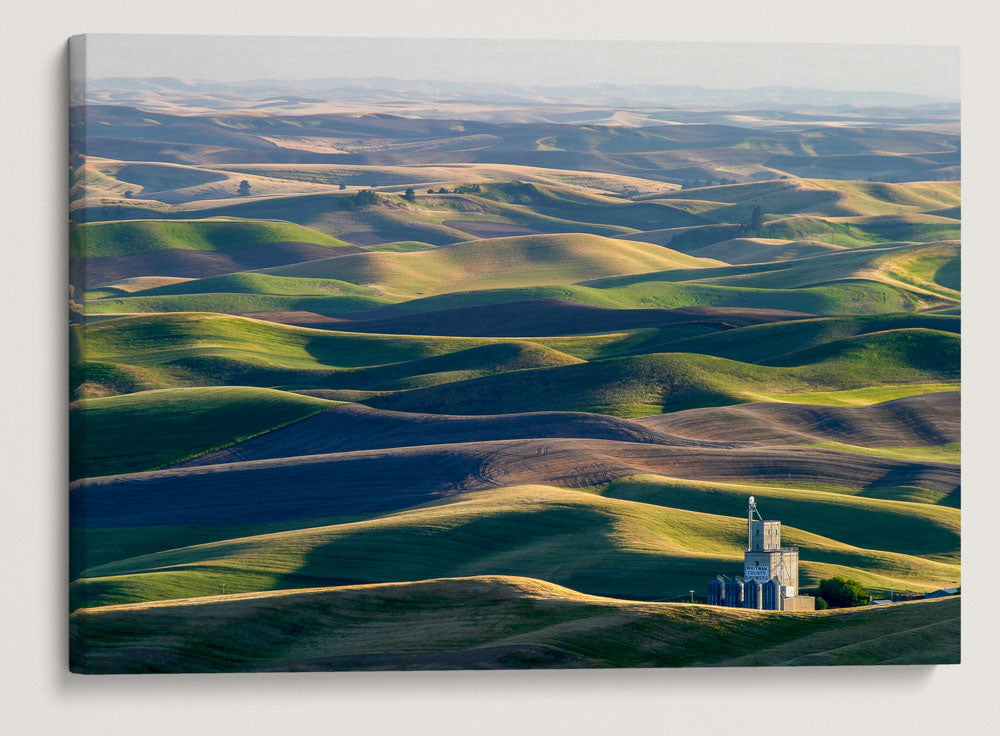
717	591
734	593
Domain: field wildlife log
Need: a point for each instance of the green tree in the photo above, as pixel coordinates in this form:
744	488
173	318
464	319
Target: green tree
244	189
366	198
756	220
343	186
843	593
409	194
821	604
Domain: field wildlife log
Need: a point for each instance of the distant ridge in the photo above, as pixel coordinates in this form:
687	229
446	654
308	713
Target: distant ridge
633	95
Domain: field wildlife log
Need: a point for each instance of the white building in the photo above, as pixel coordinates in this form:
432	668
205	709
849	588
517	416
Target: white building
770	572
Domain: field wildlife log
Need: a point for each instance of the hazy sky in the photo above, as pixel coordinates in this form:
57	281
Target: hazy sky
928	70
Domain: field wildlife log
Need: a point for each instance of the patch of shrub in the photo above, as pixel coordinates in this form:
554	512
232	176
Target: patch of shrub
843	593
364	198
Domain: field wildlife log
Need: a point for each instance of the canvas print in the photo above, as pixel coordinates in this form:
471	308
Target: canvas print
455	354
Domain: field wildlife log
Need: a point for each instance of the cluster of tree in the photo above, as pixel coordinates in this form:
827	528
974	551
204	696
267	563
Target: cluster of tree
755	224
522	192
462	189
887	179
708	181
841	593
244	189
364	198
409	194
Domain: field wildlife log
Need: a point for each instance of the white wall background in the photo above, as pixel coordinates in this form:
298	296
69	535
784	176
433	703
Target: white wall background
38	696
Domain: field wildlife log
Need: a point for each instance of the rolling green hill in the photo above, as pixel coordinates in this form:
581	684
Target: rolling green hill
573	206
763	343
483	360
762	250
492	263
828	197
153	429
130	237
646	384
259	283
599	545
493	622
240	293
859	231
819	355
904	265
844	232
156	339
843	297
492	392
845	514
436	219
401	246
226	303
856	297
202	349
870	280
858	396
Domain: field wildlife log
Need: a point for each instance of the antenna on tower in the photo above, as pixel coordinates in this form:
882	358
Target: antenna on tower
751	510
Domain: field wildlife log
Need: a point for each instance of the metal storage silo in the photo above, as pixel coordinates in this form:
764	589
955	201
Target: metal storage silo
717	591
734	593
771	595
752	594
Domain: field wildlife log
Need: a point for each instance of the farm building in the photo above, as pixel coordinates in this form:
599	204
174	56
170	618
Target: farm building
770	580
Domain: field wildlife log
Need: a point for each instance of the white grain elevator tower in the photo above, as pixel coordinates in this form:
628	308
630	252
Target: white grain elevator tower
765	560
